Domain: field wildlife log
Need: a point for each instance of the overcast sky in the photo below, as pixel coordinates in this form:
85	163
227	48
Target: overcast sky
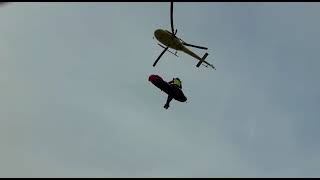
76	101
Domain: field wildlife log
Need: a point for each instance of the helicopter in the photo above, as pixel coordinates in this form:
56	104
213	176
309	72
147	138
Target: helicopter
170	40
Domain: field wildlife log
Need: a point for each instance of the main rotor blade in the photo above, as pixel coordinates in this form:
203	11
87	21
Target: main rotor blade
171	17
200	47
165	49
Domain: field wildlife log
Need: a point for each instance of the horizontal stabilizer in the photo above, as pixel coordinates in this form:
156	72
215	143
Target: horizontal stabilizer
202	59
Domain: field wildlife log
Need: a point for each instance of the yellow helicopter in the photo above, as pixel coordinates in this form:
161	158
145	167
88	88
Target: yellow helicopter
170	40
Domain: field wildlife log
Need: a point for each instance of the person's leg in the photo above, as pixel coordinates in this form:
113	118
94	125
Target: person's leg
168	102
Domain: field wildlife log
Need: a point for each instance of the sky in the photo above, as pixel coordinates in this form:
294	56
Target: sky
76	101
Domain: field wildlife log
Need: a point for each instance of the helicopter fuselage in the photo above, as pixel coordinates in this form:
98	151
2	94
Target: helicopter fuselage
171	41
167	39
